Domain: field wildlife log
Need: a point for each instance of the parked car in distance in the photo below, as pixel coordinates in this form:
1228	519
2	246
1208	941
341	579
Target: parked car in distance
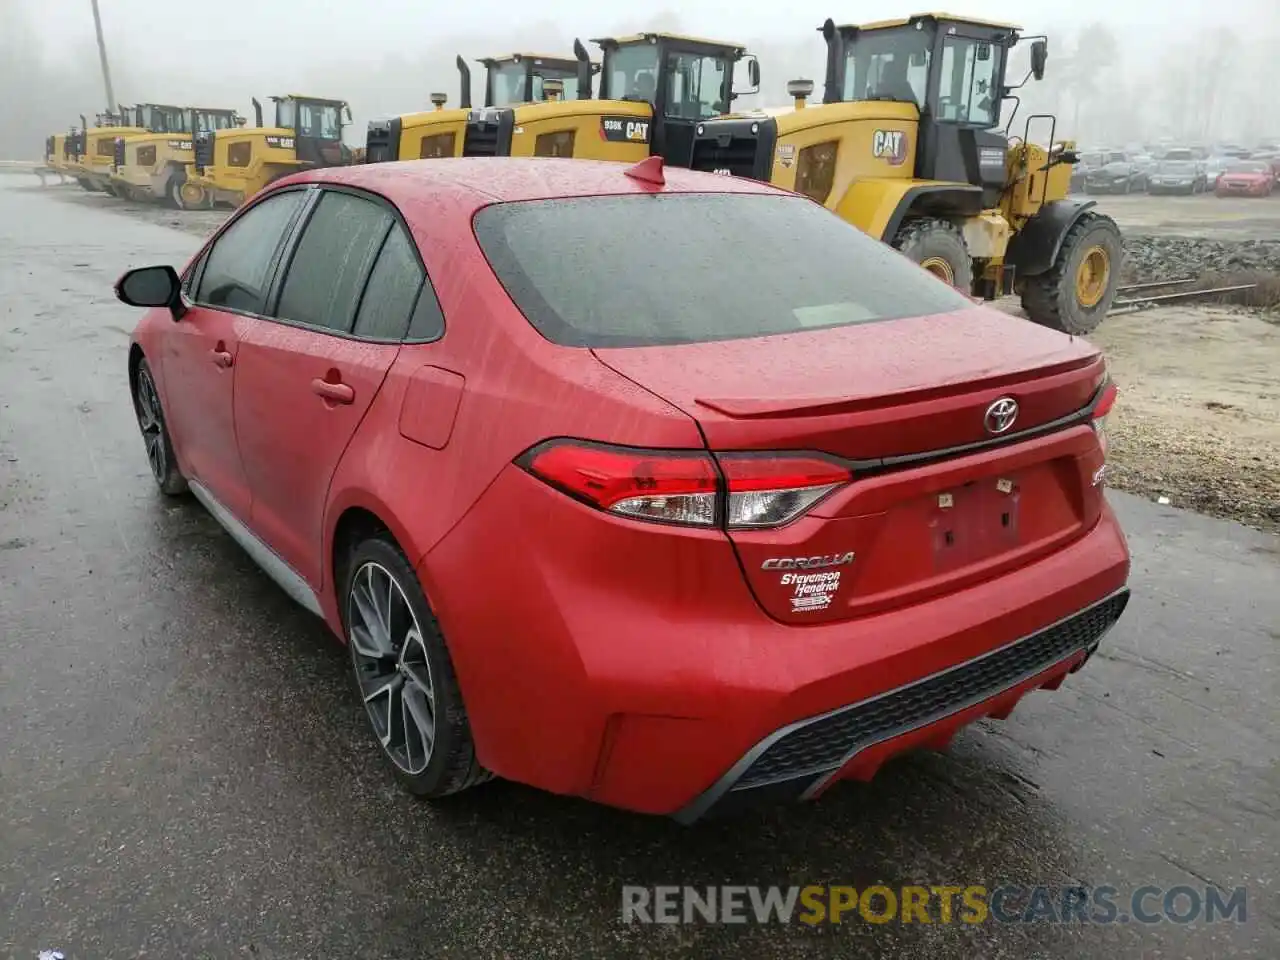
1086	161
1246	178
1271	158
1119	174
659	523
1178	172
1145	163
1214	167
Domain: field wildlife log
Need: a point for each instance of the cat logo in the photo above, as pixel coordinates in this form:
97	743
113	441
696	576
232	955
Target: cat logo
723	171
889	145
624	130
284	143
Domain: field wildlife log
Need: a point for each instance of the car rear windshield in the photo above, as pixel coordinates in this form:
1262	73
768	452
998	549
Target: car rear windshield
648	270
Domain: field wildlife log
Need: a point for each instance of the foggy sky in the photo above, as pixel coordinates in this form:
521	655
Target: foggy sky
386	56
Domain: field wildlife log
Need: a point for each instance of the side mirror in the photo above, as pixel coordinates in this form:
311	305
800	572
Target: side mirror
753	74
152	287
1039	54
347	107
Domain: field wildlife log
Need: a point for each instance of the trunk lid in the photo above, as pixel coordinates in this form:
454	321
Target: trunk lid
895	400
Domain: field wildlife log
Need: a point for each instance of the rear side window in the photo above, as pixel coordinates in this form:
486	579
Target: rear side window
333	260
392	290
237	270
643	270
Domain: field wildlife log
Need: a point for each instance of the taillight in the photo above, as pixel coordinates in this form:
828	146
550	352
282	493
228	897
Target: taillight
1100	411
772	489
745	490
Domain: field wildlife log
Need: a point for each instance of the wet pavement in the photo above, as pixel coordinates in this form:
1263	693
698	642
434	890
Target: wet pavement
184	770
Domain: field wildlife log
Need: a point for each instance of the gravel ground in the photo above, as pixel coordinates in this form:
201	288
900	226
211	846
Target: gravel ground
1198	419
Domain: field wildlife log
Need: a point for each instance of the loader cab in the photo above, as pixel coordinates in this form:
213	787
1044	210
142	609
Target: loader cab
158	118
952	71
201	120
684	79
518	78
317	126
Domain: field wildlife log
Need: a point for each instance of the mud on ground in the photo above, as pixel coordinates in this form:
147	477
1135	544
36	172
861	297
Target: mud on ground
1198	419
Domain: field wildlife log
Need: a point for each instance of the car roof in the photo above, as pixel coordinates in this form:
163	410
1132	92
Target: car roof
486	180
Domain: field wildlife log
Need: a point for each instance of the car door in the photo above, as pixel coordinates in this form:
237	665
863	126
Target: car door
228	288
306	377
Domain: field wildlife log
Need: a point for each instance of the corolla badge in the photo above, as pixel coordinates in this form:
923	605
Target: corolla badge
808	563
1000	415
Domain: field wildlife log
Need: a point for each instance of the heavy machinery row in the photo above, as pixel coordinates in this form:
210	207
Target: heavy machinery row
912	143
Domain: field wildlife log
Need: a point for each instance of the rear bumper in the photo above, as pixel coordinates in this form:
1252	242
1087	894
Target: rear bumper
800	760
606	659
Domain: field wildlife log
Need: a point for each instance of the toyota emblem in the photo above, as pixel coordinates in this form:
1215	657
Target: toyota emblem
1001	415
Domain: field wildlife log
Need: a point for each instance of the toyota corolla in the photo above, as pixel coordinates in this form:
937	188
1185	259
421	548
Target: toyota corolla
664	489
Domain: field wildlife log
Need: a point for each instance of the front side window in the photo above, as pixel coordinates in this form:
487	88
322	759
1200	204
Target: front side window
568	77
632	72
888	65
238	269
318	121
332	261
686	268
968	92
210	120
286	114
696	86
507	83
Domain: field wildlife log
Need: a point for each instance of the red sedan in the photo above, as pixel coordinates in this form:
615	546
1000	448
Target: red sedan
1247	178
667	491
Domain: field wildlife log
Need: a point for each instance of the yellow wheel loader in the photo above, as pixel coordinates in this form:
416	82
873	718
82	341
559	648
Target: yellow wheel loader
230	165
55	152
153	166
654	89
907	145
517	82
96	150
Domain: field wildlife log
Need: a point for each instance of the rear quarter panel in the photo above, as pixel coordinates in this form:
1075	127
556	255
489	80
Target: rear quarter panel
517	390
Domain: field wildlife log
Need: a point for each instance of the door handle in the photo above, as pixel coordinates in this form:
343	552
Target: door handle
335	392
221	358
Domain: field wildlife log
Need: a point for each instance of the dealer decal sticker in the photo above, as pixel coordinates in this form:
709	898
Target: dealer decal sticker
813	591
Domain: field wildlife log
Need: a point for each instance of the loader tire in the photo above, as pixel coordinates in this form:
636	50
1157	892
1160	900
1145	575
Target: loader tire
939	247
1075	294
173	189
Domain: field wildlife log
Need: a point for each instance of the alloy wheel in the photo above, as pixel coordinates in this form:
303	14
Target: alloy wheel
392	667
151	423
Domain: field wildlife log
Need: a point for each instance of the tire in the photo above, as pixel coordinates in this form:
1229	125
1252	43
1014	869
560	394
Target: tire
409	657
939	247
172	190
193	197
1053	298
155	433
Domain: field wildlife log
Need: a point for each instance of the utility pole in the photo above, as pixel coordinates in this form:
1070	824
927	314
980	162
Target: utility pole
102	55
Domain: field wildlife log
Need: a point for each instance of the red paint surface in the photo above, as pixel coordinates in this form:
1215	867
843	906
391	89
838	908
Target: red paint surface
624	660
